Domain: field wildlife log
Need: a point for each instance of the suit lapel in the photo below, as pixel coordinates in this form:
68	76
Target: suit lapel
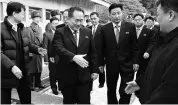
51	34
70	35
81	36
141	33
111	32
121	33
97	29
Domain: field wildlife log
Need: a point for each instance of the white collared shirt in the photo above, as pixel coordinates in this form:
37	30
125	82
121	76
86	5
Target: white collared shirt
139	31
114	26
53	31
77	35
14	25
94	28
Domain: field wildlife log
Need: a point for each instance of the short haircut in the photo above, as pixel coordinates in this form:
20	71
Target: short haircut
138	14
53	18
55	12
14	7
150	18
72	9
168	5
88	20
94	13
114	5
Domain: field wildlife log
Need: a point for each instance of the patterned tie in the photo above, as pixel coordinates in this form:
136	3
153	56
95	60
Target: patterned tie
75	36
94	30
138	30
117	33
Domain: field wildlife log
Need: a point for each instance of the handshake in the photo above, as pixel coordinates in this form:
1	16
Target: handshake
131	87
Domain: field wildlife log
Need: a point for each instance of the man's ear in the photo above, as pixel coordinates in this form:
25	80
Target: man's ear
171	15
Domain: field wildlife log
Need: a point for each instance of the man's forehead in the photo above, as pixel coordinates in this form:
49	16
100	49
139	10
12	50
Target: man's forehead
116	10
78	14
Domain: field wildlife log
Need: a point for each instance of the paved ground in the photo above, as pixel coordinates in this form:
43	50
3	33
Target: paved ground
98	95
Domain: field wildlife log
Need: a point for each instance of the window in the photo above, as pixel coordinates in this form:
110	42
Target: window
48	15
2	15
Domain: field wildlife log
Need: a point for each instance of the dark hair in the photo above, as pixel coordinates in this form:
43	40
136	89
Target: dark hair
53	18
88	20
150	18
72	9
14	7
94	13
168	5
114	5
55	12
141	15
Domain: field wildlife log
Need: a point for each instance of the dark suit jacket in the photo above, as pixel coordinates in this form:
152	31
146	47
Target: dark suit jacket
60	26
119	56
96	38
146	44
56	57
65	46
47	44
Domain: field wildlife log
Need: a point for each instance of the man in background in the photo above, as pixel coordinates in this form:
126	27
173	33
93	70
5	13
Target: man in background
54	13
47	44
96	31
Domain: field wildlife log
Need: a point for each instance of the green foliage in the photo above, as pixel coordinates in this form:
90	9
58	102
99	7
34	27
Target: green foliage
150	5
131	7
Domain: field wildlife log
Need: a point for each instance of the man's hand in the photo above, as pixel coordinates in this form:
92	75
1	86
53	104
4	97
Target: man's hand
131	87
42	51
146	55
101	68
46	63
80	60
17	72
94	76
51	59
135	67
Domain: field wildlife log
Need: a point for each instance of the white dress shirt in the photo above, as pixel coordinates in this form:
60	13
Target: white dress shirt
139	30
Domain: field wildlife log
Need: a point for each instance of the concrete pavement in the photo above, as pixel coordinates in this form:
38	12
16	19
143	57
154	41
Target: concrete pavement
45	96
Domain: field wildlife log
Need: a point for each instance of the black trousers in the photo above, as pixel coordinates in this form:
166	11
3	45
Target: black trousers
101	78
111	81
76	93
52	76
34	79
23	90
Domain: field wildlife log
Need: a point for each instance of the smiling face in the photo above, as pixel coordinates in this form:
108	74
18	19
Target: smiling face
76	21
116	15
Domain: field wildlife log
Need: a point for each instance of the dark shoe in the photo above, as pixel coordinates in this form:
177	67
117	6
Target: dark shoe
40	86
101	86
55	92
32	88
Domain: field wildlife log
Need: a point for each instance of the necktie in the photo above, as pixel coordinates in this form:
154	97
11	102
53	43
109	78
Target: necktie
138	30
75	36
94	30
117	33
